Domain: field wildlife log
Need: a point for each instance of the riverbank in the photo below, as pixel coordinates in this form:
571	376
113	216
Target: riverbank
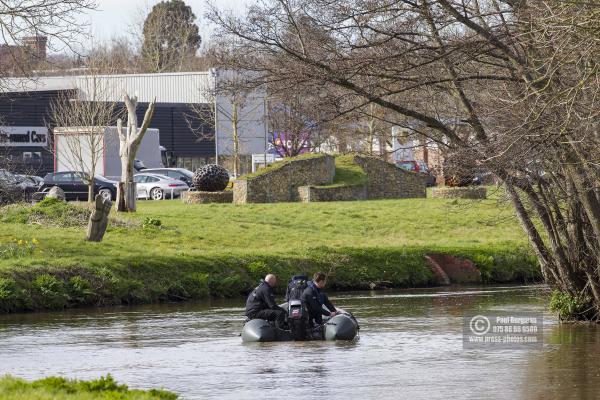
169	251
55	388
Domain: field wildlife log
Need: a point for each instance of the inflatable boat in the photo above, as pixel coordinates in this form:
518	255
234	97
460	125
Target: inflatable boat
342	326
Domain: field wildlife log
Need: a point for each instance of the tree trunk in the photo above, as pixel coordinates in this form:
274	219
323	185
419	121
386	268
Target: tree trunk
129	144
91	192
98	220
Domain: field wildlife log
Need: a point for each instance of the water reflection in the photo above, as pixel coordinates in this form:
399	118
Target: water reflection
410	347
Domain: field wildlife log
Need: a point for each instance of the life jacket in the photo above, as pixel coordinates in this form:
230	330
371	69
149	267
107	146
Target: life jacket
318	294
296	287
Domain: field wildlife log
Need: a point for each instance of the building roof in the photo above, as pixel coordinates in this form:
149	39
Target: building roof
180	87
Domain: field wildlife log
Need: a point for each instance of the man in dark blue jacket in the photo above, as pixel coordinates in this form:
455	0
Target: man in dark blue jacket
315	299
261	302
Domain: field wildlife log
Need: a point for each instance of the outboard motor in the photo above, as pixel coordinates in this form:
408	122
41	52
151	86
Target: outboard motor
297	319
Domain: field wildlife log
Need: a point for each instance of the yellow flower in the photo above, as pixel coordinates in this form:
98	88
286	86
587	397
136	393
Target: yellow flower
20	242
35	241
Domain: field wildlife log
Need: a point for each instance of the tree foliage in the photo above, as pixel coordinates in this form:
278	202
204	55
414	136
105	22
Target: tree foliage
170	36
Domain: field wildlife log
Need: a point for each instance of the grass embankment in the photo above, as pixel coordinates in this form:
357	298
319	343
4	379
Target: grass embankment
62	389
223	249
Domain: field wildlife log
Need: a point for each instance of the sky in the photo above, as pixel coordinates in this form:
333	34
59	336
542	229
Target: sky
113	16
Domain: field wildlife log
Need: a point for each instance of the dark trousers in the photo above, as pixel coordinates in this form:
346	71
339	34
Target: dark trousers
270	315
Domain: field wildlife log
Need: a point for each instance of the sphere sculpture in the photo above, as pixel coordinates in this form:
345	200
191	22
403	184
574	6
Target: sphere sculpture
211	178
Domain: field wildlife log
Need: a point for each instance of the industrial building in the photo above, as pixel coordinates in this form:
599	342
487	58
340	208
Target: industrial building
26	121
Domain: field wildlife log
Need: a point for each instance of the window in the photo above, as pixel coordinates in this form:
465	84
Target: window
32	157
63	177
140	178
152	179
191	163
174	174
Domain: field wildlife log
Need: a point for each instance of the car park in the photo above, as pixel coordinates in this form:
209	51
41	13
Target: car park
158	187
75	188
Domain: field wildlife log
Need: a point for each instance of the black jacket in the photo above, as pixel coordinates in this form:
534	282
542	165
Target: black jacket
261	298
314	299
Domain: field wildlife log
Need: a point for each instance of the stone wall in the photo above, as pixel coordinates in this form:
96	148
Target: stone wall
280	184
200	197
386	181
309	194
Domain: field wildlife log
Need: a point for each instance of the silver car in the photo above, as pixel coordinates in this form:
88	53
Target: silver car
158	187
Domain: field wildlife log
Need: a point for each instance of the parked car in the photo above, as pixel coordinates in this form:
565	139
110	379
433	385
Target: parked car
16	187
76	189
158	187
420	167
182	174
29	181
11	190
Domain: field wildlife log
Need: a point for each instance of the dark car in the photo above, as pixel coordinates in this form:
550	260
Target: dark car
181	174
76	189
12	189
420	167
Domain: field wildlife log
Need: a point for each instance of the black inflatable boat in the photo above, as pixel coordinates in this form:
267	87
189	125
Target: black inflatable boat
343	326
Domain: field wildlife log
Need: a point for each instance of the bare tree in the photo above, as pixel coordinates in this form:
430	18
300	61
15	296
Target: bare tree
129	142
231	102
55	20
81	127
509	86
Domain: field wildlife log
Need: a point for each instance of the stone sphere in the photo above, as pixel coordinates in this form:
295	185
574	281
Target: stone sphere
211	178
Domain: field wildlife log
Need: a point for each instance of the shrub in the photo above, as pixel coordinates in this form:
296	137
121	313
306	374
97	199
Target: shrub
80	290
11	296
566	305
49	292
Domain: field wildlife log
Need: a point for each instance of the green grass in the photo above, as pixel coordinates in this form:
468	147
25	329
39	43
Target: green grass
223	249
54	388
347	172
279	164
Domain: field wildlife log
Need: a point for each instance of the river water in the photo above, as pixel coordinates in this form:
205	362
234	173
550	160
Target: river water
410	347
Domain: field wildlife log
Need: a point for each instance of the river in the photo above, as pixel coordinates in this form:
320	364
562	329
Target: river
410	347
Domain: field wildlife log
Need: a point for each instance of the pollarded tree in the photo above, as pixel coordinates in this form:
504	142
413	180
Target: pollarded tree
170	36
129	143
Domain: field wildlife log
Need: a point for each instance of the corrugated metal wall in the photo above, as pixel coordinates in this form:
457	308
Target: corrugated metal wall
32	109
183	87
27	109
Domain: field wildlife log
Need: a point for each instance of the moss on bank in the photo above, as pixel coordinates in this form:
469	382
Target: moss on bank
54	388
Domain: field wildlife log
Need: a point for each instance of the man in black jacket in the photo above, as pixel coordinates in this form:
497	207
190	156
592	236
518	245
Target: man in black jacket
314	299
261	302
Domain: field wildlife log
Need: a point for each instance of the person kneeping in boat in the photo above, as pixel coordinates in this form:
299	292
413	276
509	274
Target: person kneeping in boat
314	299
261	303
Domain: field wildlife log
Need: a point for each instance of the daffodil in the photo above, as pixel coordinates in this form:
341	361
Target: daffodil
35	241
21	242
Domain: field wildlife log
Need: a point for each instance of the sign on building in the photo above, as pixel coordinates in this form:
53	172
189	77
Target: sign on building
23	136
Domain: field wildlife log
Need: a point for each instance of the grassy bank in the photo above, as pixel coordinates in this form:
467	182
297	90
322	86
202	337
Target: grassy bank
63	389
172	251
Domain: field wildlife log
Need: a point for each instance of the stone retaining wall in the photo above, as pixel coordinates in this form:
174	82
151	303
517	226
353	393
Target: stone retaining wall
309	194
386	181
310	179
199	197
281	184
